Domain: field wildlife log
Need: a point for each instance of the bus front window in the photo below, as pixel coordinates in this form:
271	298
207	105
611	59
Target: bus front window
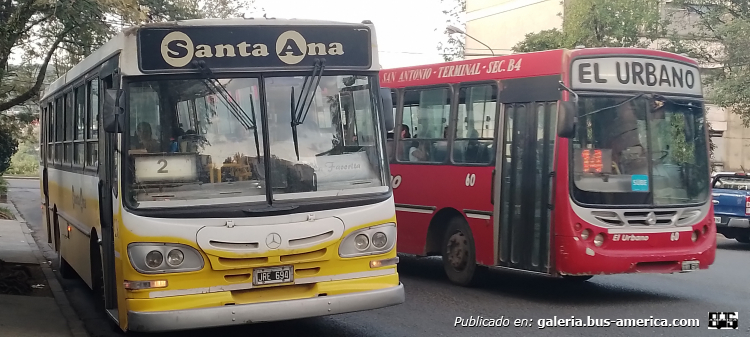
639	152
189	143
186	142
336	136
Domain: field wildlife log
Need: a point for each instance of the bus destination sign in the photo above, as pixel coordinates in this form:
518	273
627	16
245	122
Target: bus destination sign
635	74
249	47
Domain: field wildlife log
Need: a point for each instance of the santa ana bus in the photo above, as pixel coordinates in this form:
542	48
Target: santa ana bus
566	163
219	172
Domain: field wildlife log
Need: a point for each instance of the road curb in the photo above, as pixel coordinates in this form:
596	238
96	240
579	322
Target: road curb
75	324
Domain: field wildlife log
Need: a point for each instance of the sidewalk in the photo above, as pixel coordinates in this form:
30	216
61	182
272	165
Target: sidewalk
39	313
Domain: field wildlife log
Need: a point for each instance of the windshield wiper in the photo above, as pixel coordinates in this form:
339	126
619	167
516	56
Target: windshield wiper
213	84
299	112
613	106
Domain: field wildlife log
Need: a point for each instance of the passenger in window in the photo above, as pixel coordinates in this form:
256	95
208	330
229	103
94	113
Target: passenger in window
144	138
405	131
417	152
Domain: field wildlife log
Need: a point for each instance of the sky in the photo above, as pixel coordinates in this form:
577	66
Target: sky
408	31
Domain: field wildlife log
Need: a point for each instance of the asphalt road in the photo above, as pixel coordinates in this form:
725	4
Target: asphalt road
433	304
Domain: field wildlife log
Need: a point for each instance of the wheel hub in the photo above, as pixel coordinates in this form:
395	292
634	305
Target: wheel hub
458	252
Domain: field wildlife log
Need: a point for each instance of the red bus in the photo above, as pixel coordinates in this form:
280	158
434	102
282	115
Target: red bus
567	163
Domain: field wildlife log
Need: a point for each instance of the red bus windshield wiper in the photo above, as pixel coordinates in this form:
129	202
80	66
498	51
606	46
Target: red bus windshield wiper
299	111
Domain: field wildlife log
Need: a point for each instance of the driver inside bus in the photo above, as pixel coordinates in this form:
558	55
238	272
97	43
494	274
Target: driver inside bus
144	140
628	151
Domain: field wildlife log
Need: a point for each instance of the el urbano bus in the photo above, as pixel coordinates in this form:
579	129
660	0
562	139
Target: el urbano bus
216	172
566	163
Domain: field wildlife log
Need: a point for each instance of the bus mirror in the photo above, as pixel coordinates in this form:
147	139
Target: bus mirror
385	97
566	119
111	112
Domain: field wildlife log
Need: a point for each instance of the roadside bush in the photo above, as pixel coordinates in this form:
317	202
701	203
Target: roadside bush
8	147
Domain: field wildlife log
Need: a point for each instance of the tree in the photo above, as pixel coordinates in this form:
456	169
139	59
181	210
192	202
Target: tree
8	147
453	47
543	40
720	40
601	23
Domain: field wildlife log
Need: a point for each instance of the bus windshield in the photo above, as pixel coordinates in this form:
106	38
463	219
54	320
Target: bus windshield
188	146
640	152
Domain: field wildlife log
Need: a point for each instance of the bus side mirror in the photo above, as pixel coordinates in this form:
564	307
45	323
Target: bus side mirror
385	97
112	112
566	119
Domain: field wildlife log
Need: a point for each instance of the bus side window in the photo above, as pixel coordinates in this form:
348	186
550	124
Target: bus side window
475	125
425	119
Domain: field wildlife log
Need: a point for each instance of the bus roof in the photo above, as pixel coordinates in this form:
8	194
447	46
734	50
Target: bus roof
542	63
127	38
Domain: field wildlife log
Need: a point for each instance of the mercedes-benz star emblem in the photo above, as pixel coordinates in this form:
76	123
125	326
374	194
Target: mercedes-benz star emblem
273	240
651	219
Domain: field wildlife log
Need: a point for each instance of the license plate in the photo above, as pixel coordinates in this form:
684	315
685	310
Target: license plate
273	275
690	265
717	219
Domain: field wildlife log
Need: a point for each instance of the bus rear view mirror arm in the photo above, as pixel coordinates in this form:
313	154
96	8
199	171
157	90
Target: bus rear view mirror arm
567	114
112	116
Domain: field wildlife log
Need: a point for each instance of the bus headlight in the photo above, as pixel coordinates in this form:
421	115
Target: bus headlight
154	259
369	241
599	240
175	257
379	240
160	258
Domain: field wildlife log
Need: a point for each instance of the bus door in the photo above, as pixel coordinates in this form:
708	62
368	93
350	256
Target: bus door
108	193
46	127
523	173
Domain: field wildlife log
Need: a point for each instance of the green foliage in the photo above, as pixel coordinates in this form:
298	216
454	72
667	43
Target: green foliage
718	38
601	23
8	146
453	47
26	160
612	23
544	40
3	186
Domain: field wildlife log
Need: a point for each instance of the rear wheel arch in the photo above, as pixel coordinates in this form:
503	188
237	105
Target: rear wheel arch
436	230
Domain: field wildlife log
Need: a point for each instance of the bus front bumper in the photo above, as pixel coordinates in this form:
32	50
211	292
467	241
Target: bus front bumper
264	312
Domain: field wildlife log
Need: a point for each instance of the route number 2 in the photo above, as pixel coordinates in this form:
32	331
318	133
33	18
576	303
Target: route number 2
471	178
163	167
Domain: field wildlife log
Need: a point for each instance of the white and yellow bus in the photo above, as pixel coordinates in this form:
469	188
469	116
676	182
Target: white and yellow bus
209	173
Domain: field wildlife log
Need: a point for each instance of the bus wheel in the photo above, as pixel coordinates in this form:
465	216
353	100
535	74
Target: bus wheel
459	256
97	276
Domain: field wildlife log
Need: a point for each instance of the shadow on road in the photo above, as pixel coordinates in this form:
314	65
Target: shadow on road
733	245
534	288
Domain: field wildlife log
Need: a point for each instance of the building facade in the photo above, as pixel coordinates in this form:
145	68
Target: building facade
501	24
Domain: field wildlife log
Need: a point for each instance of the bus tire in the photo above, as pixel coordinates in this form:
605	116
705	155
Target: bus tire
97	275
459	255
